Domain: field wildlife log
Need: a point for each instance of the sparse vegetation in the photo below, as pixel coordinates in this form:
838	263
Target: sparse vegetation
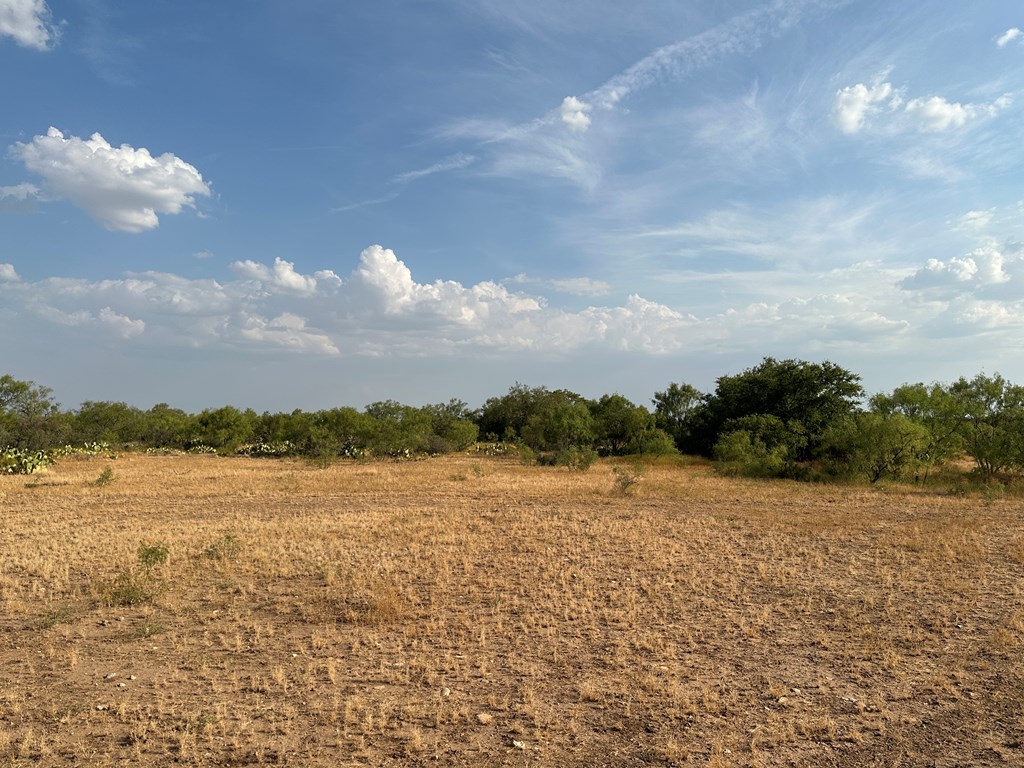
377	613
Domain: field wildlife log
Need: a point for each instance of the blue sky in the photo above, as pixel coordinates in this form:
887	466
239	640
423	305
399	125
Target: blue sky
315	203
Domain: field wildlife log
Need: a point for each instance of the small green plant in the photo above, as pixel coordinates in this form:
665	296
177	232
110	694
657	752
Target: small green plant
226	547
61	615
129	587
152	555
626	478
149	628
992	492
106	477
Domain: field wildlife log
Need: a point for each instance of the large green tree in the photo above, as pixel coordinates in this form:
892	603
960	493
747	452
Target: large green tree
29	417
805	397
673	409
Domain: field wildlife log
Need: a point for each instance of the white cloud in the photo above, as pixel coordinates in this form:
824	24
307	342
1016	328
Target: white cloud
456	162
281	276
982	268
122	325
936	114
29	23
974	221
1008	37
289	331
574	286
541	147
856	103
575	113
19	198
381	310
122	188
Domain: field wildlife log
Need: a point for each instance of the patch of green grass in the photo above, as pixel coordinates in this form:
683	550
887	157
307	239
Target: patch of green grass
63	615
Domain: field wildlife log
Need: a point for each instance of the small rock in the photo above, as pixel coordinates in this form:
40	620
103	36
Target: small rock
110	676
446	692
518	744
122	685
484	719
101	707
132	677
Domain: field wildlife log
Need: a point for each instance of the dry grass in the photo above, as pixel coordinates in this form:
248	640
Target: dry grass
478	612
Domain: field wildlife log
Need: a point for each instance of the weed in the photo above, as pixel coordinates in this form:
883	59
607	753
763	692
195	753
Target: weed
106	477
61	615
150	628
152	555
226	547
129	587
627	478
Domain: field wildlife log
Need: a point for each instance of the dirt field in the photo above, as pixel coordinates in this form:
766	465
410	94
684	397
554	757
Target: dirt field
471	611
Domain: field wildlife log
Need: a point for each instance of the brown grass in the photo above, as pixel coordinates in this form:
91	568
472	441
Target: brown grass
462	611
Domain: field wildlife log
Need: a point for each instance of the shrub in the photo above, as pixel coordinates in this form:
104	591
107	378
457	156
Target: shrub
627	477
575	458
740	453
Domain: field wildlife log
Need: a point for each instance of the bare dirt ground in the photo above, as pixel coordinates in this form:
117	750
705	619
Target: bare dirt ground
474	612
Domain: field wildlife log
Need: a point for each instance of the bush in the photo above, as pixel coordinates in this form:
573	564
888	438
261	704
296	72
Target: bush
575	458
740	453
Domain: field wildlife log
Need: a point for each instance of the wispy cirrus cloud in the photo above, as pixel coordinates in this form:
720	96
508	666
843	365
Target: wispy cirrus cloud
456	162
553	145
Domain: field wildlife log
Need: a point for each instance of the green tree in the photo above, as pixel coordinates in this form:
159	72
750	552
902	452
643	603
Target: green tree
618	423
992	422
225	428
876	446
505	417
936	409
561	420
29	417
673	409
108	422
166	427
810	395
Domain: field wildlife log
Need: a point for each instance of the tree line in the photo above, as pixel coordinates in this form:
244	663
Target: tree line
781	418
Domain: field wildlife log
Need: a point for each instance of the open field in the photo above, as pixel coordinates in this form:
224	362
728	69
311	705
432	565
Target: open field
472	611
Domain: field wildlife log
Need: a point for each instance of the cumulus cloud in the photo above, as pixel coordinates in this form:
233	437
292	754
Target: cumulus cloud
289	331
381	309
122	325
985	266
282	276
122	188
1008	37
937	114
29	23
575	113
856	103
